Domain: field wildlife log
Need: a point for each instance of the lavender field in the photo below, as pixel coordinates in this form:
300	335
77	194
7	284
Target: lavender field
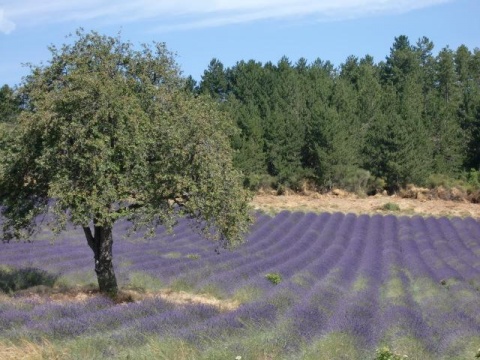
308	286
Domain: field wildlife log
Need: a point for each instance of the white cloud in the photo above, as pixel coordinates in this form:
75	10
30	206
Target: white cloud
187	14
6	25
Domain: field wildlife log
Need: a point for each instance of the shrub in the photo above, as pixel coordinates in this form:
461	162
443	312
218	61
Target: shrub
385	354
282	190
350	178
274	278
19	279
467	182
256	182
376	185
437	180
291	181
391	207
473	178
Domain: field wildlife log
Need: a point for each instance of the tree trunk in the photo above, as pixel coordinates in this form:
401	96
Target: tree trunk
101	243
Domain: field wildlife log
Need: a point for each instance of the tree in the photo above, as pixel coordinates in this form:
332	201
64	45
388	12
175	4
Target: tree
468	112
247	104
214	80
191	85
447	137
109	132
341	139
400	64
248	143
318	83
284	128
424	49
406	154
9	104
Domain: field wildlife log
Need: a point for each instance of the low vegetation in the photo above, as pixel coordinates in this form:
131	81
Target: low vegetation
13	280
274	278
391	207
304	286
385	354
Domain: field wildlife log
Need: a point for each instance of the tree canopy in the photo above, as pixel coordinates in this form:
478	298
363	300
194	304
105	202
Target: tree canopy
109	132
406	119
9	104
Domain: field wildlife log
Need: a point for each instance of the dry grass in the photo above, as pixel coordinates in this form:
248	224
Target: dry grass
26	350
125	296
185	298
351	203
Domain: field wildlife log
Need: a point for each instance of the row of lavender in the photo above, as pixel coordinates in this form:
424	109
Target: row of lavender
377	279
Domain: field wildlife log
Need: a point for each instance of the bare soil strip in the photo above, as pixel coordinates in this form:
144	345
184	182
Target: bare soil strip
126	296
350	203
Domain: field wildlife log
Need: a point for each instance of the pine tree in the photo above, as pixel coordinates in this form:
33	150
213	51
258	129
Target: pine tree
214	80
406	138
446	134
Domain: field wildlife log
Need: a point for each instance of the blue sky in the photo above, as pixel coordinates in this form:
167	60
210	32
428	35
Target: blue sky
263	30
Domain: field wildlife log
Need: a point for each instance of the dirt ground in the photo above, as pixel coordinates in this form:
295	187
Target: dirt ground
41	294
350	203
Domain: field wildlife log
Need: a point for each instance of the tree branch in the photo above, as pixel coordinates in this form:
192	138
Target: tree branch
176	199
89	236
179	202
129	207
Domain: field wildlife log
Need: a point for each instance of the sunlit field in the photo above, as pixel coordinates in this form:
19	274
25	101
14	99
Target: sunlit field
304	286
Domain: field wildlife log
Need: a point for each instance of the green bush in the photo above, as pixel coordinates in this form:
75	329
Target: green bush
437	180
350	178
18	279
274	278
286	181
391	207
473	178
255	182
376	185
385	354
468	181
